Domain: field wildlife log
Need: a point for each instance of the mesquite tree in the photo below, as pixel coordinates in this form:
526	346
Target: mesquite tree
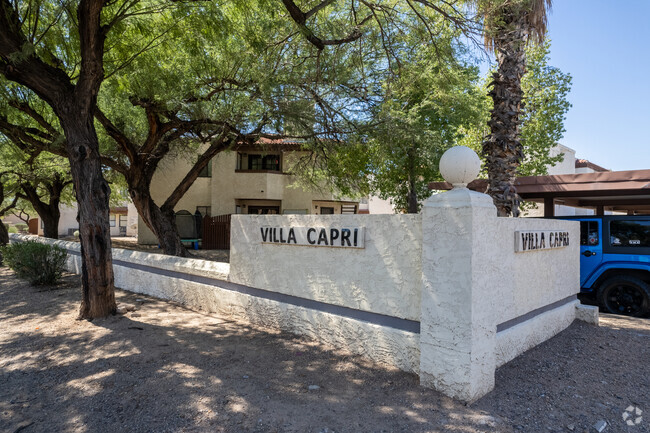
44	195
237	88
43	178
71	91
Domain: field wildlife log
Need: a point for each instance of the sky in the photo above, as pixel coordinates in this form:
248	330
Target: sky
605	46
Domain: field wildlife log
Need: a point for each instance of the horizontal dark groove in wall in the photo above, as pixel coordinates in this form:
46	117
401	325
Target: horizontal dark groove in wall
351	313
521	319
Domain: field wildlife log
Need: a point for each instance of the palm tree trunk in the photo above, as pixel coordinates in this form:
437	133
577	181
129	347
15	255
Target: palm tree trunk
502	149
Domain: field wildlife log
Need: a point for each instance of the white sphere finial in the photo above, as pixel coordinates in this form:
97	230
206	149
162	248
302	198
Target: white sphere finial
459	166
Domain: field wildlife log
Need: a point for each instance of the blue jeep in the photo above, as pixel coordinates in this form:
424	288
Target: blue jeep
615	262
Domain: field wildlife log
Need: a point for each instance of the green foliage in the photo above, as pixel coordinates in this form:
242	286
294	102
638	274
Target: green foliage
36	262
22	157
12	229
546	89
422	114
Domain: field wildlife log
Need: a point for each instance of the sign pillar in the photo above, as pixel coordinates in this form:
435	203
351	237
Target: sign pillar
457	328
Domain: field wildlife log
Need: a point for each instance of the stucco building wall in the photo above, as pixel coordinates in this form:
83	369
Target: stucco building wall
229	191
229	185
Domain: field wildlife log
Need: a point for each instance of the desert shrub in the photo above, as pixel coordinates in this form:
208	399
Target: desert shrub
36	262
21	227
12	229
76	234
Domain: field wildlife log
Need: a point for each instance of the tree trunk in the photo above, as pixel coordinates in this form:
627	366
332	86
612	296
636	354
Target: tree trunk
92	191
49	212
50	225
502	149
4	237
412	199
162	224
74	105
161	220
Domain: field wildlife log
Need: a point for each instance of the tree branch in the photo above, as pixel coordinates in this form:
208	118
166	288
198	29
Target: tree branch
222	143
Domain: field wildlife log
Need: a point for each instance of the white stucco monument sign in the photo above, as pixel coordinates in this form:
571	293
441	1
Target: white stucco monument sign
338	237
535	240
441	294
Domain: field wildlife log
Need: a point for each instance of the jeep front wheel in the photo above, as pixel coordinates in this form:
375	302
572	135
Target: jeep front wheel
625	295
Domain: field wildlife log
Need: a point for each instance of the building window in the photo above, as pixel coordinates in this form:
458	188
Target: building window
263	210
254	162
111	220
123	220
207	170
204	210
271	162
327	210
266	162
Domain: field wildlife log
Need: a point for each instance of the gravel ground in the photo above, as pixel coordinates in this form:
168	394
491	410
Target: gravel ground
164	368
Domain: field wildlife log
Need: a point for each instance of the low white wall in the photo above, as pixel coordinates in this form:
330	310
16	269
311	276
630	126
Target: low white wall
542	281
443	294
206	285
533	279
483	303
383	277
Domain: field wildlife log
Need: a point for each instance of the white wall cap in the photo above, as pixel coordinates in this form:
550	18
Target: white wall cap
459	166
459	198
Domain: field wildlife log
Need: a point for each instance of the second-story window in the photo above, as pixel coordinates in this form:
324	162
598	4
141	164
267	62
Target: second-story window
254	162
264	162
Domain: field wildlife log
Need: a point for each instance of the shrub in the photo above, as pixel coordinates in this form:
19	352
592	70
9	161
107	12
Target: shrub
12	229
36	262
76	234
21	227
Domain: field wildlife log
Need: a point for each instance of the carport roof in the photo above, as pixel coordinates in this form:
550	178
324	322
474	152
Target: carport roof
627	191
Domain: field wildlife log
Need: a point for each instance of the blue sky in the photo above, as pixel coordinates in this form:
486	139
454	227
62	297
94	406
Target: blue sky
605	46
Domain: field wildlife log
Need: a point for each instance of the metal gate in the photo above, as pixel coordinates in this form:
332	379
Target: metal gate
216	232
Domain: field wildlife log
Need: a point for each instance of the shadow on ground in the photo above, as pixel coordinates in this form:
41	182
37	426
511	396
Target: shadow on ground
166	368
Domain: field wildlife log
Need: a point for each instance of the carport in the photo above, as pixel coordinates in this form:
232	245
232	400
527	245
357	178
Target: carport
618	191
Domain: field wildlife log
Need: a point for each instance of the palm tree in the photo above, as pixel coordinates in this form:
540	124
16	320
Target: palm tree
509	25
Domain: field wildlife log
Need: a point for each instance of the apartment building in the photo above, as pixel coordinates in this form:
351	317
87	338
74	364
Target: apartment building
249	180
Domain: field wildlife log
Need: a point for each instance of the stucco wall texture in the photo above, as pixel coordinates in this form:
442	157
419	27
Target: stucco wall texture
384	277
453	269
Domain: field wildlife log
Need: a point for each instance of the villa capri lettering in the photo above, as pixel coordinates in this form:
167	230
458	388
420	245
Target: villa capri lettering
534	240
338	237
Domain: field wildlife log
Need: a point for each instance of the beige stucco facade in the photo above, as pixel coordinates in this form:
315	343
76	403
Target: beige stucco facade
238	185
567	166
231	185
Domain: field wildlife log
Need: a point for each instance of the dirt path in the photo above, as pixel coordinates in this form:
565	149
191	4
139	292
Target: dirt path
164	368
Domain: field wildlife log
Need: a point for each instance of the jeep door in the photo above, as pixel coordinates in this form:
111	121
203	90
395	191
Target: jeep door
591	247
